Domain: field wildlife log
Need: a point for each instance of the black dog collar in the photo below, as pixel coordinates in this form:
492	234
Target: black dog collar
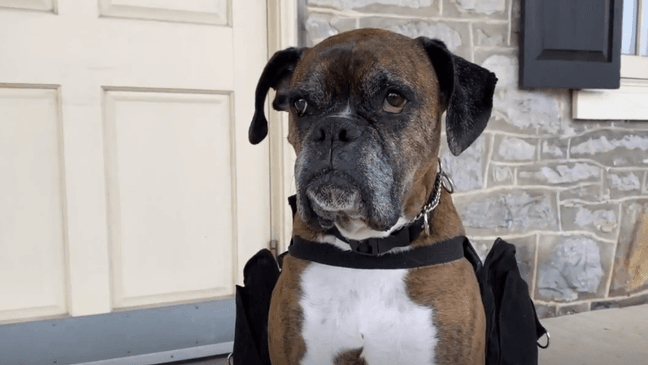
378	246
375	246
327	254
379	257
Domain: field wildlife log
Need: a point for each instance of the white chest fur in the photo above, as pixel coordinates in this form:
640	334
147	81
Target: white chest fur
348	309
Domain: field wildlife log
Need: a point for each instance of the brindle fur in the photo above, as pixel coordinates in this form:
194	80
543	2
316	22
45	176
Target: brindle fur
450	289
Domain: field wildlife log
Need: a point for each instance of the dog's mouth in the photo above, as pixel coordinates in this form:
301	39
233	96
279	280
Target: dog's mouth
333	195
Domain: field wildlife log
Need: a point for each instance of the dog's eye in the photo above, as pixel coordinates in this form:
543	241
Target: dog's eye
394	103
300	105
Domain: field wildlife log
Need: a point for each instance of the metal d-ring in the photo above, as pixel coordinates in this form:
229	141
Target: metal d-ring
547	345
229	359
446	181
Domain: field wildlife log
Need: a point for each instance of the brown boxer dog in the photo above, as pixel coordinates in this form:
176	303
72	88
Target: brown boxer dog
365	122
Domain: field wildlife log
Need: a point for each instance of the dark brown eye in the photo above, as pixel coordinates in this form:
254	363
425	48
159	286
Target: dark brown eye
300	105
394	103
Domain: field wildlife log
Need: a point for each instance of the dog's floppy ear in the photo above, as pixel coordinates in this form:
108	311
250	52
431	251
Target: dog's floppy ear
276	75
468	91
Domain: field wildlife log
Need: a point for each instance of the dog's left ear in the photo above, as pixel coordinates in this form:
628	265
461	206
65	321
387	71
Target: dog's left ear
276	75
468	91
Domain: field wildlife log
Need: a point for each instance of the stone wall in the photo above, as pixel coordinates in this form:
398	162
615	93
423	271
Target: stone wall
571	195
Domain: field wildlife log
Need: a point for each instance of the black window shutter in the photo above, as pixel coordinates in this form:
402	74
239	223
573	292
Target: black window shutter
571	43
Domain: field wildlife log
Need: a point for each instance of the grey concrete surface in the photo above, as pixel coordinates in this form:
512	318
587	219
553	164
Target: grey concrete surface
600	337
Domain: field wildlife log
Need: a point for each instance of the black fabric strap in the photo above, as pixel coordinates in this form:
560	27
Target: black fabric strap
376	246
327	254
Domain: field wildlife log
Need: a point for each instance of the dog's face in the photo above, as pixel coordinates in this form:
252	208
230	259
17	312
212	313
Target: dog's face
365	110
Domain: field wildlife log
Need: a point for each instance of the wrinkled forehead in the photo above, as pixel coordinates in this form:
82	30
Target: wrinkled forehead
366	62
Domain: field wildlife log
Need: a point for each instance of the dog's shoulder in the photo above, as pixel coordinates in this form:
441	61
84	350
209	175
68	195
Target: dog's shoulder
460	320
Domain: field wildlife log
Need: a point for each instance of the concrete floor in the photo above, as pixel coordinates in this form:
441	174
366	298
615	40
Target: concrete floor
601	337
605	337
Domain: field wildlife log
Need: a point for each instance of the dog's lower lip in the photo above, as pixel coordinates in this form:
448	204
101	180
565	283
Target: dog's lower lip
333	192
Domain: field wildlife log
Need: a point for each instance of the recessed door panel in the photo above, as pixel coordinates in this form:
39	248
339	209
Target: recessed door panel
170	178
32	252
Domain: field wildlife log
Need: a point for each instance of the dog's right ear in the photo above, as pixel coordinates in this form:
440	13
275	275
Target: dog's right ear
276	75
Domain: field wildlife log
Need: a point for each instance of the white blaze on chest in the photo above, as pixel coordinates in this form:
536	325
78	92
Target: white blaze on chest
346	309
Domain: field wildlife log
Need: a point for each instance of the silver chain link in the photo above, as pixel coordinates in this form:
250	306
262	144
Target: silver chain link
444	180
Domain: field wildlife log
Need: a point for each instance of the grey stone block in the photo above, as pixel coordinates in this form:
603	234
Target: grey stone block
514	149
573	309
482	53
579	126
523	111
622	303
456	35
558	174
545	310
554	148
402	7
500	175
467	169
612	147
508	212
601	219
623	183
630	273
630	124
490	34
320	26
490	9
572	268
588	193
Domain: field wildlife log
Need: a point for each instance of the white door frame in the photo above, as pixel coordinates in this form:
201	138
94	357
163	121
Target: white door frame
282	33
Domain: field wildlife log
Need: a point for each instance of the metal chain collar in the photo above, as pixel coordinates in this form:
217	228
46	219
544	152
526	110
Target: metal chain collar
444	180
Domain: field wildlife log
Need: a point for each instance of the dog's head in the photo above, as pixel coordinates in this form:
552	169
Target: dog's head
365	109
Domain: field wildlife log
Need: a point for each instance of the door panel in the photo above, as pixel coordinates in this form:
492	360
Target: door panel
191	11
32	265
45	5
170	186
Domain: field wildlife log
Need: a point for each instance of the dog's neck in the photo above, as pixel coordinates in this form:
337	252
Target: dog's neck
444	223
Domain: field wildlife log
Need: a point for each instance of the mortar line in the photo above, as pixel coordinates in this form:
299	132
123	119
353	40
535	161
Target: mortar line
549	135
515	176
613	256
472	42
437	18
503	188
613	201
496	48
564	234
560	225
510	26
488	161
604	172
535	265
563	161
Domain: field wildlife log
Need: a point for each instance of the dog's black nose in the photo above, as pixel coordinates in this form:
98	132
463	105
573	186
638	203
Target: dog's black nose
334	131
